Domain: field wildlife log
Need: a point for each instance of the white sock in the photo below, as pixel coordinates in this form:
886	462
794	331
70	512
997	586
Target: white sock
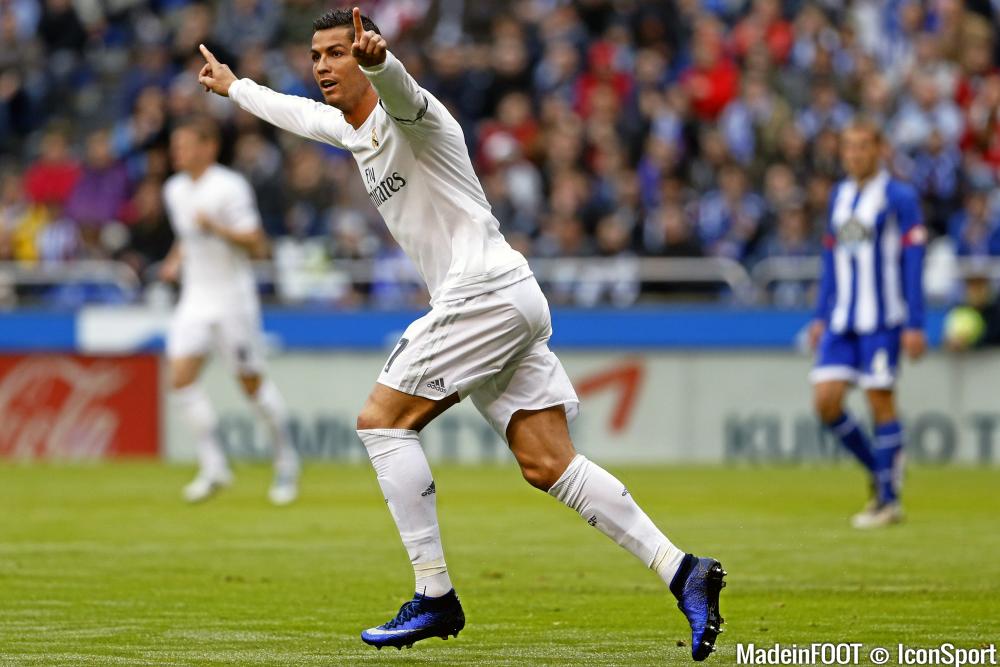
269	405
197	410
606	504
408	487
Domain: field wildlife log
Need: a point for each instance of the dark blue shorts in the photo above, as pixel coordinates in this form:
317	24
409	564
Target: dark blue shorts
867	360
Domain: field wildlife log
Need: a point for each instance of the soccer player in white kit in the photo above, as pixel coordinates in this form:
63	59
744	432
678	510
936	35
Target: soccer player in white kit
486	336
217	227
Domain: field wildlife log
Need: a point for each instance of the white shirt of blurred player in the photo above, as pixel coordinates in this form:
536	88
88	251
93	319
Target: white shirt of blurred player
216	276
412	156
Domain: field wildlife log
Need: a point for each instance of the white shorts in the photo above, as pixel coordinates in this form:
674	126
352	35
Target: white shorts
235	336
492	347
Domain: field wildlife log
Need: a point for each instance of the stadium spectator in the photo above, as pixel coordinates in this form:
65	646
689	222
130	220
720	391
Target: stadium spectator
307	187
694	124
826	110
241	24
50	179
934	168
12	211
924	113
21	220
149	233
729	218
61	30
974	228
100	193
712	80
763	25
143	129
615	282
792	239
668	233
752	123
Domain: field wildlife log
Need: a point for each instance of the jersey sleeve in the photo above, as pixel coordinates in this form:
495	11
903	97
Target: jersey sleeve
304	117
169	196
906	205
825	295
241	209
399	94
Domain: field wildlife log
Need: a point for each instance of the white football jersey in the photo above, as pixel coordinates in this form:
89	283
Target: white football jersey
216	276
412	156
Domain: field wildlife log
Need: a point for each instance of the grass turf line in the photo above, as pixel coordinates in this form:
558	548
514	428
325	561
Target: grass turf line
104	565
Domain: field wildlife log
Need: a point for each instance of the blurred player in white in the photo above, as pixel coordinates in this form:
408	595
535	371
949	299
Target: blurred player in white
485	338
218	231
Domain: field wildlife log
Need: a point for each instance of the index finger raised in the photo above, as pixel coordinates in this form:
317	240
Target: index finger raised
208	54
358	28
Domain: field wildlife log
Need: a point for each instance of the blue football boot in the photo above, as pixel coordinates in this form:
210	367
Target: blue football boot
696	586
420	618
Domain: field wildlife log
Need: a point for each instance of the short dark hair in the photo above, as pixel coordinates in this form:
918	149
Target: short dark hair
868	124
343	18
204	126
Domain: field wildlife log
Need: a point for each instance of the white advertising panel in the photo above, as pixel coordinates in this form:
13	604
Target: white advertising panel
697	406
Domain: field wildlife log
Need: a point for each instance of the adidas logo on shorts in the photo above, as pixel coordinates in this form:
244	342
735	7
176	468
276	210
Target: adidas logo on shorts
437	385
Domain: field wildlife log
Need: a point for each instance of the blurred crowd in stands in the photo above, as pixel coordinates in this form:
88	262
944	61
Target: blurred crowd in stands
609	128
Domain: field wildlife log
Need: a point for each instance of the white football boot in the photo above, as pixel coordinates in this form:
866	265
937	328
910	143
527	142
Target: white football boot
285	486
878	517
206	484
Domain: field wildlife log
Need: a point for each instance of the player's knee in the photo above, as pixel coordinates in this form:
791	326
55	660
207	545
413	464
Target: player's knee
827	407
541	472
179	382
883	408
372	415
368	419
251	384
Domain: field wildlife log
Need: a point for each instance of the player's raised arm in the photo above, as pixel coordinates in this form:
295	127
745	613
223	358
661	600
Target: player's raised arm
401	97
302	116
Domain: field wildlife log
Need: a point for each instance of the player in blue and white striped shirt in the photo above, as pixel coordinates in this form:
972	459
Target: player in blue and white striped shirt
870	304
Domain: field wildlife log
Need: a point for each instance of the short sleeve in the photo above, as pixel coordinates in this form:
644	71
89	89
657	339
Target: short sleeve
241	209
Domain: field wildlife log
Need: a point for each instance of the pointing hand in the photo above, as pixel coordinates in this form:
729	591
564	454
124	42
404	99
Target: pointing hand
215	76
369	47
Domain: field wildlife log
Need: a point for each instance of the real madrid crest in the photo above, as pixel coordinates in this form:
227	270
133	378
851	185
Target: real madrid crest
374	139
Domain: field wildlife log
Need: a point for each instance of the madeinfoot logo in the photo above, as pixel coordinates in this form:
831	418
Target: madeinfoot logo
856	653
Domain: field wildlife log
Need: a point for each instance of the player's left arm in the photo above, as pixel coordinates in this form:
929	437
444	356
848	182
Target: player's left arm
914	240
401	96
241	225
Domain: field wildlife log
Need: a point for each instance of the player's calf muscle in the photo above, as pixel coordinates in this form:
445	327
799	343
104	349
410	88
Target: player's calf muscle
541	444
882	405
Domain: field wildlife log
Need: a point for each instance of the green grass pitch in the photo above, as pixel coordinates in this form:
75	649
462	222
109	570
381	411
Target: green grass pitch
104	565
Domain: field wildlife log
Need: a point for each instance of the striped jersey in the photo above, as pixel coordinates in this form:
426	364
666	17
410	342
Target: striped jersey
873	257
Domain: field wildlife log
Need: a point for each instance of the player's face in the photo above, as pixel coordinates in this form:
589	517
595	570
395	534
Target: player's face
335	70
860	151
189	151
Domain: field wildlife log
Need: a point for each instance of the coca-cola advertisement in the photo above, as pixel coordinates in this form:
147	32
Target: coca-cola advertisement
71	407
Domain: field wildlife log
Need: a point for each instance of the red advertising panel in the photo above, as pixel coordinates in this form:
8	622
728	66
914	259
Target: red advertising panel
57	406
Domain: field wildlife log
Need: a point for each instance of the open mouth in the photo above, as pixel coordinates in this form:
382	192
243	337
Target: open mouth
327	84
